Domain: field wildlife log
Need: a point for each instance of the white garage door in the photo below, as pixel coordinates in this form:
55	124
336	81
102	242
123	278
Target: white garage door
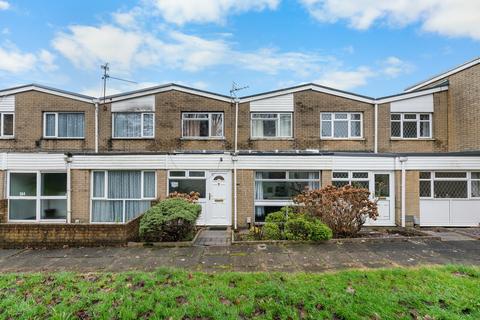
450	199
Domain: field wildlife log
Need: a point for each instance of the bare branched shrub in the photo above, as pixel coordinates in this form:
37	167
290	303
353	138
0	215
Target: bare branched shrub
190	197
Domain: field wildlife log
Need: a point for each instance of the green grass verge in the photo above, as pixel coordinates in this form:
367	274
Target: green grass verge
451	292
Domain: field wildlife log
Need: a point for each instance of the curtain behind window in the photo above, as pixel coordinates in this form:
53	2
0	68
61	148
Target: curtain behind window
71	125
149	184
107	211
127	125
258	186
50	125
135	208
124	184
217	125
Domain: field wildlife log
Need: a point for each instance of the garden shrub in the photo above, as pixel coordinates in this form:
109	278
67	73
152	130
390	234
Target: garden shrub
344	210
271	231
170	220
304	228
319	231
281	216
190	197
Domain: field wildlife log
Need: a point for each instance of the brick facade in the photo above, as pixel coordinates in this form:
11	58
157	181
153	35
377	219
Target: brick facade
245	196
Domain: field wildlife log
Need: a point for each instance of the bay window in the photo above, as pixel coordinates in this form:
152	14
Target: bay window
6	125
271	125
186	181
64	125
121	195
275	189
411	125
202	125
449	185
133	124
37	196
341	125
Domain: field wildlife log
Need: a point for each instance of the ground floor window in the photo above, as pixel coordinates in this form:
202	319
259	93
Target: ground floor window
275	189
449	184
121	195
355	179
186	181
37	196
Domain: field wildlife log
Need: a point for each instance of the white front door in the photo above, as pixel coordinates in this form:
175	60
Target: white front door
217	208
382	189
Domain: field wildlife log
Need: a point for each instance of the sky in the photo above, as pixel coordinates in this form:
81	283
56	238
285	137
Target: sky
369	47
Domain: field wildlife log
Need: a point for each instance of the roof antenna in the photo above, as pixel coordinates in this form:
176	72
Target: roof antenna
106	75
235	89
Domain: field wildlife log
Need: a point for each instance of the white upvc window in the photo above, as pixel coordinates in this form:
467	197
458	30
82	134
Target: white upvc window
271	125
36	196
202	125
186	181
341	125
7	120
411	125
449	185
121	195
64	125
133	125
357	179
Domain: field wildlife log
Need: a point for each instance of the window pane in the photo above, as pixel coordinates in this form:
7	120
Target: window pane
8	124
304	175
270	175
326	116
124	184
279	190
355	128
269	128
410	116
22	209
149	184
476	188
326	128
127	125
217	125
382	185
424	117
341	116
177	173
355	116
395	116
361	184
54	184
265	115
195	115
196	174
54	209
425	189
23	184
70	125
148	124
360	175
475	175
339	184
98	184
340	175
395	129
340	129
107	211
285	125
187	186
49	125
425	175
257	128
450	174
409	129
135	208
450	189
195	128
424	129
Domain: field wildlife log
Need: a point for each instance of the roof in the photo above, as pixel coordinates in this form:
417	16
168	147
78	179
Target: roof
46	89
442	75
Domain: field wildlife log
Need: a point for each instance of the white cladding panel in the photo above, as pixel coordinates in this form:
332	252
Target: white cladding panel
418	104
199	161
7	104
278	104
442	163
272	162
33	161
146	103
117	162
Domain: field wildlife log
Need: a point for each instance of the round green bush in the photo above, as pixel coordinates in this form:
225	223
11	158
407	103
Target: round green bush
271	231
297	229
169	220
320	231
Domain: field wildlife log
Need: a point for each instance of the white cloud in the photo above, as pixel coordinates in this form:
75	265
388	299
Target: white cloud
47	60
446	17
393	67
346	80
4	5
202	11
15	61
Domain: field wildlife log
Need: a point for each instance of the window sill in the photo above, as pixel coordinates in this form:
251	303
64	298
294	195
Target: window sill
202	139
272	139
133	138
62	138
7	138
343	139
412	139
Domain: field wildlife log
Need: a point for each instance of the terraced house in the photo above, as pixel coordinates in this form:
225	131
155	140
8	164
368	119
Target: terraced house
67	158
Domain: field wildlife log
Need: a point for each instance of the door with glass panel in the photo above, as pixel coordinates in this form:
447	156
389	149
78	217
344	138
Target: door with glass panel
218	212
382	190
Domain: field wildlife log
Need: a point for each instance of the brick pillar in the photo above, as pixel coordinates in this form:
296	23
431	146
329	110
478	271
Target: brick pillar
3	197
162	188
326	178
80	196
245	197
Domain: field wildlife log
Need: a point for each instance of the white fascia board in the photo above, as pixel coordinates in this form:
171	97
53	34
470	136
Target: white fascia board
411	95
167	88
443	75
45	90
447	163
308	87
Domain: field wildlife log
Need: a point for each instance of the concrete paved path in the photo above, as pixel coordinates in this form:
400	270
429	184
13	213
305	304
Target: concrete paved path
308	258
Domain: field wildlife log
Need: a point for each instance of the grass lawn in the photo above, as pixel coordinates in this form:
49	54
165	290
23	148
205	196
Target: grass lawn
451	292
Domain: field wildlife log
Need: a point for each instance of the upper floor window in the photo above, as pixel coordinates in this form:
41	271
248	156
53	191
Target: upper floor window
6	124
64	125
133	125
341	125
271	125
411	125
202	125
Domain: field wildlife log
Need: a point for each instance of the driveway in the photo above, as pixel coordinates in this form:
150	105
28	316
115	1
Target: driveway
308	258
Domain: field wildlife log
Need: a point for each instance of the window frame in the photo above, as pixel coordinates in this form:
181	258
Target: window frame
279	203
418	122
350	179
187	176
433	178
142	136
56	113
349	121
277	127
209	119
106	198
2	125
38	197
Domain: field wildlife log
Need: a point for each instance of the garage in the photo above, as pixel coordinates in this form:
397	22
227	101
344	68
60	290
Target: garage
449	198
